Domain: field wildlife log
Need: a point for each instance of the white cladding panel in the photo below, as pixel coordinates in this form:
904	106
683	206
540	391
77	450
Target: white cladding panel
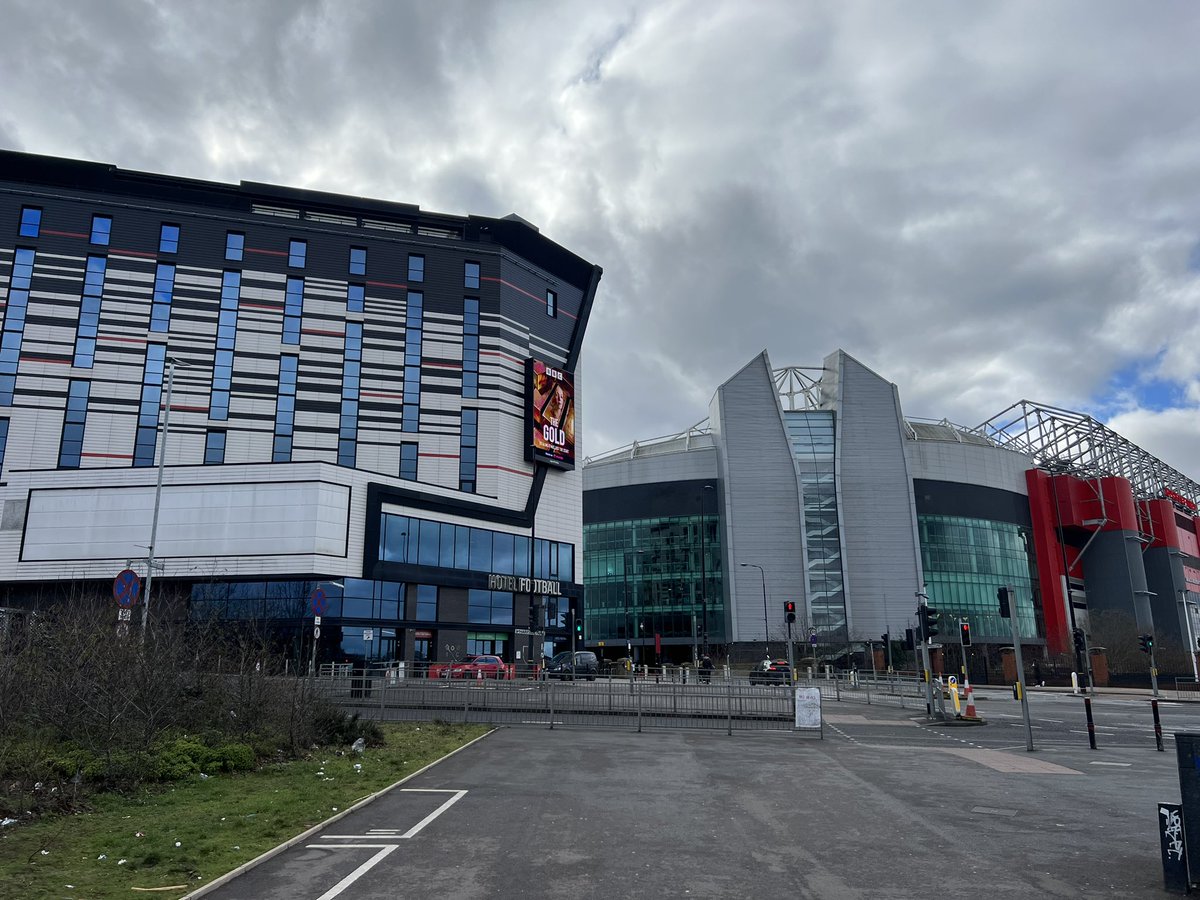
877	506
680	465
992	467
210	520
761	503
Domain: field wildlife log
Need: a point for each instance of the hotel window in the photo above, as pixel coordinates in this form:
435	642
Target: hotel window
285	409
293	307
355	297
467	450
351	373
416	267
101	230
235	245
413	324
427	597
71	449
164	292
31	221
231	286
471	275
89	312
214	447
168	238
408	461
14	322
470	365
358	260
297	252
147	425
489	607
3	441
552	304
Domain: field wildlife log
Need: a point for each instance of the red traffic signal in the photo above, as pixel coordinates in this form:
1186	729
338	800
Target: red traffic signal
789	610
964	631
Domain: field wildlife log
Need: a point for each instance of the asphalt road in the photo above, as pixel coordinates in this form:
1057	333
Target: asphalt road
883	807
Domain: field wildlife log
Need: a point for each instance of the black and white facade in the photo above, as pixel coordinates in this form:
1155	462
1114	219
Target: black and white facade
349	392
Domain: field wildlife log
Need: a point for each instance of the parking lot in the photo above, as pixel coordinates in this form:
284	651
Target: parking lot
882	808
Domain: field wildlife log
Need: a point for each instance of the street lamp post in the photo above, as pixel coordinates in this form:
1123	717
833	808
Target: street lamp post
162	461
629	630
766	625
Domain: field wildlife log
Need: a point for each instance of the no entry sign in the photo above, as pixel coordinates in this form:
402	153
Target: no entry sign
318	598
127	587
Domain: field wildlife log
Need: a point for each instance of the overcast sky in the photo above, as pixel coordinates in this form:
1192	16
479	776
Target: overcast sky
982	202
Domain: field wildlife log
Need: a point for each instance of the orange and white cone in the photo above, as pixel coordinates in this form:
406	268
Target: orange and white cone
970	712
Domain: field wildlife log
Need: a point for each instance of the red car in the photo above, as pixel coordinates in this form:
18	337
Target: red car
490	667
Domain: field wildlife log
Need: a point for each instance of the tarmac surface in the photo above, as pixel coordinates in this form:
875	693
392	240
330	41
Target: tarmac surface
885	806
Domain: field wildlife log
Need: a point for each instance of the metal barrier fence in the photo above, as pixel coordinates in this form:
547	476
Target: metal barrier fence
635	703
903	691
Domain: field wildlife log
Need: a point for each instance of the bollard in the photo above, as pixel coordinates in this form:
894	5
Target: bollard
1087	708
1157	726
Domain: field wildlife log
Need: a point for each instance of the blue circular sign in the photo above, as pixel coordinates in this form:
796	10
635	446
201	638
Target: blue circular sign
318	598
127	587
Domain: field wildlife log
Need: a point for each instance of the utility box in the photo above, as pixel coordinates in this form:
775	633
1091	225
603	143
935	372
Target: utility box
1187	749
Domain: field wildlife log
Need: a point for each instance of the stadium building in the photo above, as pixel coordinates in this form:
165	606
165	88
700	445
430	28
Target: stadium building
809	485
357	405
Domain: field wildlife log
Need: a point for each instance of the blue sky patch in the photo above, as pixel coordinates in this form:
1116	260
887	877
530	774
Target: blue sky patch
1134	386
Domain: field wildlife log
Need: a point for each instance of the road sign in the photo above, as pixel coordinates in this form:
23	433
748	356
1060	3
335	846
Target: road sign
124	615
318	598
316	620
316	631
368	634
812	639
127	587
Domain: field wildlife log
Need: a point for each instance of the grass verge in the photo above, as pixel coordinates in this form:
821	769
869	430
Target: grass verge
193	831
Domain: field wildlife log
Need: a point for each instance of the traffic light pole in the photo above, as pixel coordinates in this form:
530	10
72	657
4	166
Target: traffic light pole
1153	672
1012	620
923	601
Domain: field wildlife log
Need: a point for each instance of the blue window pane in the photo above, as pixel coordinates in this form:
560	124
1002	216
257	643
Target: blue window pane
471	275
235	245
3	441
168	239
101	229
355	295
551	303
416	267
358	260
297	252
31	221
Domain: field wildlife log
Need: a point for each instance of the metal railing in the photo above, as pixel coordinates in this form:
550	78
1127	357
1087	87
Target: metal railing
640	703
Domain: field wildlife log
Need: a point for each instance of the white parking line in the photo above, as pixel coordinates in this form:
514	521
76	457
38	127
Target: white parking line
384	850
1097	763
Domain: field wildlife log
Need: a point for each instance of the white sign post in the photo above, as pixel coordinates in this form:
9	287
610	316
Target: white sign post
808	710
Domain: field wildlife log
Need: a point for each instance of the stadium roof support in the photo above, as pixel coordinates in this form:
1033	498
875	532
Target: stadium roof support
1062	441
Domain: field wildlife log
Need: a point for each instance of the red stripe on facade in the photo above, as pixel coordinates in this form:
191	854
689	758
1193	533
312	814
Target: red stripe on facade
42	359
384	396
134	253
439	455
506	469
108	455
388	284
325	333
122	340
507	284
175	408
65	234
266	252
444	365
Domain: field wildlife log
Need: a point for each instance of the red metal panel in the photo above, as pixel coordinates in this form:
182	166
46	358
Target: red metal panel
1161	514
1049	556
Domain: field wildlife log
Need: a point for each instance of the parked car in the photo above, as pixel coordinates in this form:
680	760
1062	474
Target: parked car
482	666
583	664
772	672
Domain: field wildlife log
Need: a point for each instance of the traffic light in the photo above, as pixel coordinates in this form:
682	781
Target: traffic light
927	620
1080	644
789	610
579	627
964	632
1147	642
1003	595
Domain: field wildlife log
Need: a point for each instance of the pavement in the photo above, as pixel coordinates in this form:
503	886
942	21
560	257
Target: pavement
886	805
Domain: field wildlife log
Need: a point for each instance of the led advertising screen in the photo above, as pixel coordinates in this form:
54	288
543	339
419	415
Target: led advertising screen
550	415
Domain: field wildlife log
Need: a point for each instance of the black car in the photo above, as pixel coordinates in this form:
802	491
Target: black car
771	671
583	664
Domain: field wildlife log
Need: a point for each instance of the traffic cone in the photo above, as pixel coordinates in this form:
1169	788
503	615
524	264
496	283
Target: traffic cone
970	712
